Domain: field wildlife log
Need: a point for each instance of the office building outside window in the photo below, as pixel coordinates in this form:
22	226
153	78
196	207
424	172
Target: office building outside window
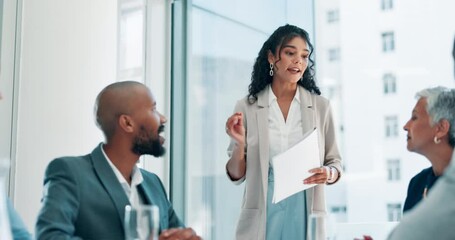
388	41
393	170
363	100
389	83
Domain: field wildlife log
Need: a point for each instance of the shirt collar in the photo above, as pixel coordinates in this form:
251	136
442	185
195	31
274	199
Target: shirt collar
272	96
136	175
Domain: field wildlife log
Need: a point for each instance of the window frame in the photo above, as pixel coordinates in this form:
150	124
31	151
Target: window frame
391	126
394	212
386	5
389	83
393	170
333	16
388	41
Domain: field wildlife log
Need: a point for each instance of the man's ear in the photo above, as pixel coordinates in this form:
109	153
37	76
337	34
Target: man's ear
126	123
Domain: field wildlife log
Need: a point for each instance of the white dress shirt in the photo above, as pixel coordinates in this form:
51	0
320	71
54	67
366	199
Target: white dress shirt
136	179
284	134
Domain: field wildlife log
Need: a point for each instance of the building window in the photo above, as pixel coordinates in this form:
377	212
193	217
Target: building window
339	213
393	170
333	16
388	42
131	41
386	4
389	83
338	209
394	212
334	54
391	126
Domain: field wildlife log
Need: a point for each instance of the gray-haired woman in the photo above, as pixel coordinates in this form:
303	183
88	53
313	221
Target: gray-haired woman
431	134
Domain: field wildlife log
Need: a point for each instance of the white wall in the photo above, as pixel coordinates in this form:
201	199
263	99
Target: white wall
68	54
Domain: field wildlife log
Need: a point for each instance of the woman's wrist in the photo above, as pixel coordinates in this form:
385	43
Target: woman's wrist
332	174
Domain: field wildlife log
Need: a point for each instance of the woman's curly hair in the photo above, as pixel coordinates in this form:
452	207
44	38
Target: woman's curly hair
260	77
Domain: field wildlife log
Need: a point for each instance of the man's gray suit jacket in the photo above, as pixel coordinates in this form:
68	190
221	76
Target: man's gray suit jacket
83	199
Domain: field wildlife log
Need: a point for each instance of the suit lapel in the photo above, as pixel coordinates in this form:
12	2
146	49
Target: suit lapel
307	111
109	181
308	124
145	194
262	118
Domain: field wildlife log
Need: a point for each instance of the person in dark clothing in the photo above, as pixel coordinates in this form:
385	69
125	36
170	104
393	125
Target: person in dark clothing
418	187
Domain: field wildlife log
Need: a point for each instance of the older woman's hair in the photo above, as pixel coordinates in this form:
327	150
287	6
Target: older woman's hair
441	105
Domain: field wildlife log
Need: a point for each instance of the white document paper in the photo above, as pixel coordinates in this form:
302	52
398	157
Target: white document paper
290	168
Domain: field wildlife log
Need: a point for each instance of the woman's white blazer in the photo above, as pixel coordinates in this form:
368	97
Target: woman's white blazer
316	114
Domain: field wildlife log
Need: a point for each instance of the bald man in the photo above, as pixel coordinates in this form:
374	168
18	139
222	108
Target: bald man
85	196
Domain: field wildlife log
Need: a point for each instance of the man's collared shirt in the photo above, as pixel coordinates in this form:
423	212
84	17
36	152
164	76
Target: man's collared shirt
136	179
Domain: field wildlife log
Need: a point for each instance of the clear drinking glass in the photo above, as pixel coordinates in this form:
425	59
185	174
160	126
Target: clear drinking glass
142	222
321	226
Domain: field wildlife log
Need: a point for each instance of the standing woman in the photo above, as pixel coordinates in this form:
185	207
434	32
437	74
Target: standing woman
283	105
431	134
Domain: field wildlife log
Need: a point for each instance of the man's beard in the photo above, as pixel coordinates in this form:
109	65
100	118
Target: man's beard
146	144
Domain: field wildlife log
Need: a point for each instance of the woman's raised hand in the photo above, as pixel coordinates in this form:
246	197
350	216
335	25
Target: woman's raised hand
235	128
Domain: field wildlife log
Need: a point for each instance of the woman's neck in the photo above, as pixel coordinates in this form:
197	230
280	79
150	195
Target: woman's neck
440	159
284	91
